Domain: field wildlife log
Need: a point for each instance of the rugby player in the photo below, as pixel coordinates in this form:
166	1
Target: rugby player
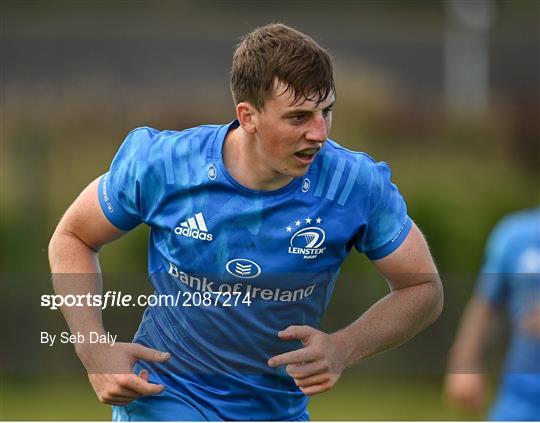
509	283
266	207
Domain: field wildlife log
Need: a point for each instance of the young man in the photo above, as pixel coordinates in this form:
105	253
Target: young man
264	209
510	282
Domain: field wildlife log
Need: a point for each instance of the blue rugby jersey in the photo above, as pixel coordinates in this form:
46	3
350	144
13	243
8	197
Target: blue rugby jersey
279	250
511	280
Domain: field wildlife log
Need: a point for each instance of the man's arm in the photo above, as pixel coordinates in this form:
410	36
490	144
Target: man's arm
73	257
414	302
465	385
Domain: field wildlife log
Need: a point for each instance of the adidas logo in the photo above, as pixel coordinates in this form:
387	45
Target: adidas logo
194	227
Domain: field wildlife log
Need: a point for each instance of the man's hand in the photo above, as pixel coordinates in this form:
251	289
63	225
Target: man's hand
466	391
316	367
111	375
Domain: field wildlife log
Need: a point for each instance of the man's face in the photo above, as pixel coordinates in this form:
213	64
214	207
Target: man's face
289	136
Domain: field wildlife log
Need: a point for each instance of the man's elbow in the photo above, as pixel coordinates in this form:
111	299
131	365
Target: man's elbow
435	299
65	244
53	246
59	241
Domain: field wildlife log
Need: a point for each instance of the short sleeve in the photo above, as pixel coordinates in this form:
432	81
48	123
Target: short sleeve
491	284
388	223
120	188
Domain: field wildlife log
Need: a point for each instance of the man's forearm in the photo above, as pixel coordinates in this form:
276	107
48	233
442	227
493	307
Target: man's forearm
75	271
466	355
391	321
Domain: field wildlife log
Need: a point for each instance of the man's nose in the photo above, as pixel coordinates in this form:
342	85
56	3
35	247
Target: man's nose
317	131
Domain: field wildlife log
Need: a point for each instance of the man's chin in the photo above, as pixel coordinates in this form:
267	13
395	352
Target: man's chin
298	172
295	170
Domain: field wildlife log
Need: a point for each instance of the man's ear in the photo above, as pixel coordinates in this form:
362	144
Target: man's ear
246	115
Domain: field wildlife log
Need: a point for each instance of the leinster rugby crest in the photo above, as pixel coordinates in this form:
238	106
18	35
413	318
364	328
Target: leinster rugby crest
307	238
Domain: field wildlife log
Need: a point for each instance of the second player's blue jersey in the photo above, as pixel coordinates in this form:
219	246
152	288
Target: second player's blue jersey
511	281
280	250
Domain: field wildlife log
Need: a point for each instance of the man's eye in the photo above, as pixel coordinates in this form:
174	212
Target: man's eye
326	112
298	118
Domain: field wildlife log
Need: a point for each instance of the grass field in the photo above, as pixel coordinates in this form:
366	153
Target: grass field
356	397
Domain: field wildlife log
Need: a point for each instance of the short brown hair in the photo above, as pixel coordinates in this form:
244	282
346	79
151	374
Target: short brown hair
277	51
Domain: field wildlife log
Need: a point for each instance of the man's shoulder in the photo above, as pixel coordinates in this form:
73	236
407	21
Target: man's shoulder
359	157
522	220
515	229
360	165
147	142
153	135
343	175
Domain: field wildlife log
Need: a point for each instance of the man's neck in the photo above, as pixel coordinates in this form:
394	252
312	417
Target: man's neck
244	163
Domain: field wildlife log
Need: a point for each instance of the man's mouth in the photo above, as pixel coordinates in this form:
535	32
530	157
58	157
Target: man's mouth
307	155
